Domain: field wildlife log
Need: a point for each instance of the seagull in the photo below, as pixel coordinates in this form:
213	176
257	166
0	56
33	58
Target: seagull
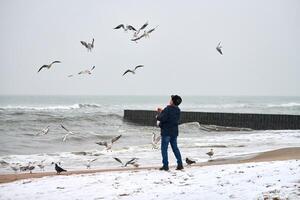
109	144
219	47
155	140
133	71
41	165
59	169
131	28
87	71
120	26
71	75
125	28
23	168
145	35
210	153
89	46
189	161
142	27
15	167
136	38
48	66
88	165
66	135
132	161
44	131
30	168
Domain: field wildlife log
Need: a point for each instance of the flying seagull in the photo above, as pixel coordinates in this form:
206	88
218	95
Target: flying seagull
88	164
219	48
59	169
109	144
129	162
142	27
210	153
145	35
44	131
155	140
67	134
48	66
125	28
189	161
133	71
89	46
87	71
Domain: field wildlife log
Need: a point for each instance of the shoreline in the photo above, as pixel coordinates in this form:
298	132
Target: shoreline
292	153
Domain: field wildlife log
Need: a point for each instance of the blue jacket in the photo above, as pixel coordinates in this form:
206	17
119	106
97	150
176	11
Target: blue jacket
169	120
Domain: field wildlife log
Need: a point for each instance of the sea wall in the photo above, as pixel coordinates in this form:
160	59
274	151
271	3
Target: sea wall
242	120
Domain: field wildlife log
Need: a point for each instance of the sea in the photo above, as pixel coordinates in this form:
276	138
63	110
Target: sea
100	118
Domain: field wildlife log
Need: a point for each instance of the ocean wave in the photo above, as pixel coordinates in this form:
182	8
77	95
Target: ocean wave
56	107
219	106
284	105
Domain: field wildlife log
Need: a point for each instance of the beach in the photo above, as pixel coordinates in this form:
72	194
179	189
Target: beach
268	175
275	155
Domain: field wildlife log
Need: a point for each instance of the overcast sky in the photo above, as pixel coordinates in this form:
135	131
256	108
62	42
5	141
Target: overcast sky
260	39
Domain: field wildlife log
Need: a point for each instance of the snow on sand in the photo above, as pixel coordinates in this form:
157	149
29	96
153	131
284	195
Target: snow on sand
265	180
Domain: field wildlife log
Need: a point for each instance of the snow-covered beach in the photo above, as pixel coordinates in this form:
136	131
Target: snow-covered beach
255	178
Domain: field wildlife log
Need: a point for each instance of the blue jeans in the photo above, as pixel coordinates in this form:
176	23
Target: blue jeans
165	140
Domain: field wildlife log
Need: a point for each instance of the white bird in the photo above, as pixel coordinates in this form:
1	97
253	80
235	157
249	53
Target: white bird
133	70
125	28
48	66
41	165
88	164
129	162
219	48
145	35
89	46
136	33
64	138
44	131
210	153
155	140
109	144
87	71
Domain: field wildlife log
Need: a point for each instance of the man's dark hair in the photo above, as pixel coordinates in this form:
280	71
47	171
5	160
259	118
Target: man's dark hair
176	100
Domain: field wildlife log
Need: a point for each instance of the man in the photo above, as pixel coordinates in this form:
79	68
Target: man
168	122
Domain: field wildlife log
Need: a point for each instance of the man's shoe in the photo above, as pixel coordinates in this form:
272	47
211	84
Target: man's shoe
179	167
164	168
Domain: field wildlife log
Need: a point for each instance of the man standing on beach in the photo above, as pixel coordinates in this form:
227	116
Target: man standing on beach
168	122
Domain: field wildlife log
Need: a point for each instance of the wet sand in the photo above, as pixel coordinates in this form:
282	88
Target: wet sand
275	155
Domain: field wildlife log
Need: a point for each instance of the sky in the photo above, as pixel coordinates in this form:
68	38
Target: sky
260	40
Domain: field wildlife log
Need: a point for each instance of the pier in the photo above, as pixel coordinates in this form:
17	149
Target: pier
241	120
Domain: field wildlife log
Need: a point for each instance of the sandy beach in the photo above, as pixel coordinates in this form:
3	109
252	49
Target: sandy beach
274	155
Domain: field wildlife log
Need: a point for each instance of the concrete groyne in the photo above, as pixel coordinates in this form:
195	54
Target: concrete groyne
242	120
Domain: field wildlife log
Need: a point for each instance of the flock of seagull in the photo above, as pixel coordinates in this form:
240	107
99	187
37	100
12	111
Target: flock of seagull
138	34
107	144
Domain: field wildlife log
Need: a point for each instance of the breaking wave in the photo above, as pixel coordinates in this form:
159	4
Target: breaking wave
56	107
284	105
